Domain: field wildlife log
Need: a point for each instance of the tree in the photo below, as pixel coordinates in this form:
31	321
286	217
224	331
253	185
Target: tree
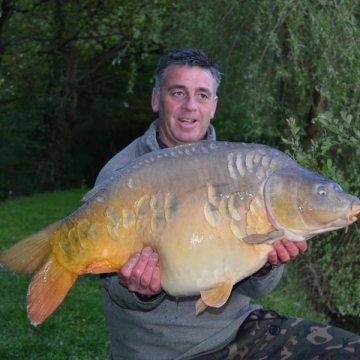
61	60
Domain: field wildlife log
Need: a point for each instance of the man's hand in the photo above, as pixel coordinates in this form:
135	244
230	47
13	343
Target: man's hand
141	273
285	251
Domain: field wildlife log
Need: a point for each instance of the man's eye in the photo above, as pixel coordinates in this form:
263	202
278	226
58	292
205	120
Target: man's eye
203	96
178	93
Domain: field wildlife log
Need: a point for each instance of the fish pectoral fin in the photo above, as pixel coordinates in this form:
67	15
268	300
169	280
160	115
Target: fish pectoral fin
217	296
264	238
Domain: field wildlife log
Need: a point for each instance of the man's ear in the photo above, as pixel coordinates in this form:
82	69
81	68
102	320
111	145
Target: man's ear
214	105
155	101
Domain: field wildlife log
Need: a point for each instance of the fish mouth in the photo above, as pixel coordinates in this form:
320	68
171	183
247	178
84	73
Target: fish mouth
355	210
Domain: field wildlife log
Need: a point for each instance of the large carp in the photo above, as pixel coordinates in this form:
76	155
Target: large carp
211	210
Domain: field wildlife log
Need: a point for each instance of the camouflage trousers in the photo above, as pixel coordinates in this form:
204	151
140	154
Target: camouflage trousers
266	335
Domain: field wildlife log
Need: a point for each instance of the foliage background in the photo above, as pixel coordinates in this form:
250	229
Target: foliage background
76	78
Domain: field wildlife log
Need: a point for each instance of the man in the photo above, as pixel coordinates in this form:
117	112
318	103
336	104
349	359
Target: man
146	323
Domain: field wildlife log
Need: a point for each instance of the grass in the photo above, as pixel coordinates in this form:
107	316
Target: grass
77	329
289	299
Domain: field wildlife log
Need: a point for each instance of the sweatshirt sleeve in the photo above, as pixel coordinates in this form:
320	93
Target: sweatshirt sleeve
118	161
257	287
114	291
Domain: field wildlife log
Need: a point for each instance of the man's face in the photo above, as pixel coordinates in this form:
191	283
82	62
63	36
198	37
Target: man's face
186	104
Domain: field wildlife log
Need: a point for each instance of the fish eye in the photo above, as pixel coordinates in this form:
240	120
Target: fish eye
322	191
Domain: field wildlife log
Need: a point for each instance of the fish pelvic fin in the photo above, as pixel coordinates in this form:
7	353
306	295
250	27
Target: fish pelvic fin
47	289
264	238
27	256
215	297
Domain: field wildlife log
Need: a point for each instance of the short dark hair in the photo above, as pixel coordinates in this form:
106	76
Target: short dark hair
186	57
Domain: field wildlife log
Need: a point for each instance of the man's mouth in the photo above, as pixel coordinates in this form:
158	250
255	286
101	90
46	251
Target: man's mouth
188	121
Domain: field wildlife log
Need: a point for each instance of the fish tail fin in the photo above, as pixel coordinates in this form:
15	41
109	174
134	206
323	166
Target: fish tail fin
48	289
26	256
51	280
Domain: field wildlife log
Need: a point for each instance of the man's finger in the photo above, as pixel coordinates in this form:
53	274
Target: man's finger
155	283
149	269
126	270
141	264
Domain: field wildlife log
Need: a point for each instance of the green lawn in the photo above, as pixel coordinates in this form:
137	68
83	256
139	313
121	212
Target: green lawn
77	329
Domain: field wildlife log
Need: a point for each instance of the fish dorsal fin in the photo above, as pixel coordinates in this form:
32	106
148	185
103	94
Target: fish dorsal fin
265	238
99	193
215	297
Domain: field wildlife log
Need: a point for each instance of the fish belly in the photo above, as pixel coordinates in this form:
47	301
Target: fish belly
196	255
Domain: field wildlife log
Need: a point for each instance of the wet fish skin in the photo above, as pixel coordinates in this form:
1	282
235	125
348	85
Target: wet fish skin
211	210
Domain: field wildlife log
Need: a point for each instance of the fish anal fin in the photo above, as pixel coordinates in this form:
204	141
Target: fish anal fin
48	289
200	306
264	238
217	296
99	267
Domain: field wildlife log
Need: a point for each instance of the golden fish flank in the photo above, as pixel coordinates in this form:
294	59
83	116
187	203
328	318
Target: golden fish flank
153	210
243	209
211	210
72	240
257	162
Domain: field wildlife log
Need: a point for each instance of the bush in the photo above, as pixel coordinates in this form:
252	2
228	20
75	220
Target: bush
330	271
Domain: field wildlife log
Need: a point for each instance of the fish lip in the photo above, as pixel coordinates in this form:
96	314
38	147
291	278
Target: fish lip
355	210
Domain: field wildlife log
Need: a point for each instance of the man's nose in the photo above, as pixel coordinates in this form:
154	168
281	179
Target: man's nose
190	103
